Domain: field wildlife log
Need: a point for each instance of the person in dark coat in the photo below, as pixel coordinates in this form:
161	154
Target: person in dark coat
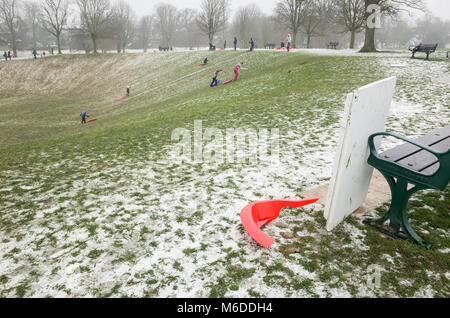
252	44
5	55
235	43
215	81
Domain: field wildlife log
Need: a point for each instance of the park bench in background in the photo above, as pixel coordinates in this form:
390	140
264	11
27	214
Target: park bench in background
423	48
333	45
423	164
270	46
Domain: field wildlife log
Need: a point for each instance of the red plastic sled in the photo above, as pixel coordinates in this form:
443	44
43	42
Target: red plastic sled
92	120
202	64
227	82
120	98
257	214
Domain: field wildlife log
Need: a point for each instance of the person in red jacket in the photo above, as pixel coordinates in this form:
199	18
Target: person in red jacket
236	70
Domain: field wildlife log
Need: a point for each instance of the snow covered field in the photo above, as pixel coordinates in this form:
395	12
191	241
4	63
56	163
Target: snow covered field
157	228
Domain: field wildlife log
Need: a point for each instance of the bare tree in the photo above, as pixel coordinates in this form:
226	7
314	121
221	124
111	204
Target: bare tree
54	18
79	39
123	24
352	16
144	31
166	21
432	29
187	26
314	16
9	16
245	21
213	17
267	27
95	18
33	14
289	13
386	7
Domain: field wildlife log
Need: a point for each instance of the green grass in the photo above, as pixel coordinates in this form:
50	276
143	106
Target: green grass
100	194
329	257
147	116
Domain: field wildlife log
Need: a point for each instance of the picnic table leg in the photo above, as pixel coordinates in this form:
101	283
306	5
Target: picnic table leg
399	226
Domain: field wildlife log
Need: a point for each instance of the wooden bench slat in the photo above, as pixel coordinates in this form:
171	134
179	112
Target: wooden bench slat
425	47
431	170
406	150
422	160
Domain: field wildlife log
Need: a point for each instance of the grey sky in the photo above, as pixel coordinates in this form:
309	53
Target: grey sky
440	8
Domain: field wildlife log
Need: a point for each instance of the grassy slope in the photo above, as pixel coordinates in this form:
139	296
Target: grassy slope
43	143
43	103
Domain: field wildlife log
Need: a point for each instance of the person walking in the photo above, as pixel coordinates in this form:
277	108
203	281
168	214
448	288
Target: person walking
252	44
5	55
84	115
9	55
235	43
225	45
34	53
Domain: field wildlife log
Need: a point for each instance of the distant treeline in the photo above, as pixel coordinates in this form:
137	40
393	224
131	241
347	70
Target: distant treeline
105	25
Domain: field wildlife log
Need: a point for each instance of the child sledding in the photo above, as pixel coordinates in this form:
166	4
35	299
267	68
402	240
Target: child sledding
205	61
215	81
236	70
127	92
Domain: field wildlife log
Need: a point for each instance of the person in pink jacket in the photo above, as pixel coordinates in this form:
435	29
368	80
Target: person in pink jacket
236	70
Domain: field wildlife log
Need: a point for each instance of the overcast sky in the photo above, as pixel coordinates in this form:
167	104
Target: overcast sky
440	8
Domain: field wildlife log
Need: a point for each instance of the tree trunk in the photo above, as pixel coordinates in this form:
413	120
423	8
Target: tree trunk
352	39
58	43
14	44
94	43
308	43
144	45
369	42
34	37
211	38
294	40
